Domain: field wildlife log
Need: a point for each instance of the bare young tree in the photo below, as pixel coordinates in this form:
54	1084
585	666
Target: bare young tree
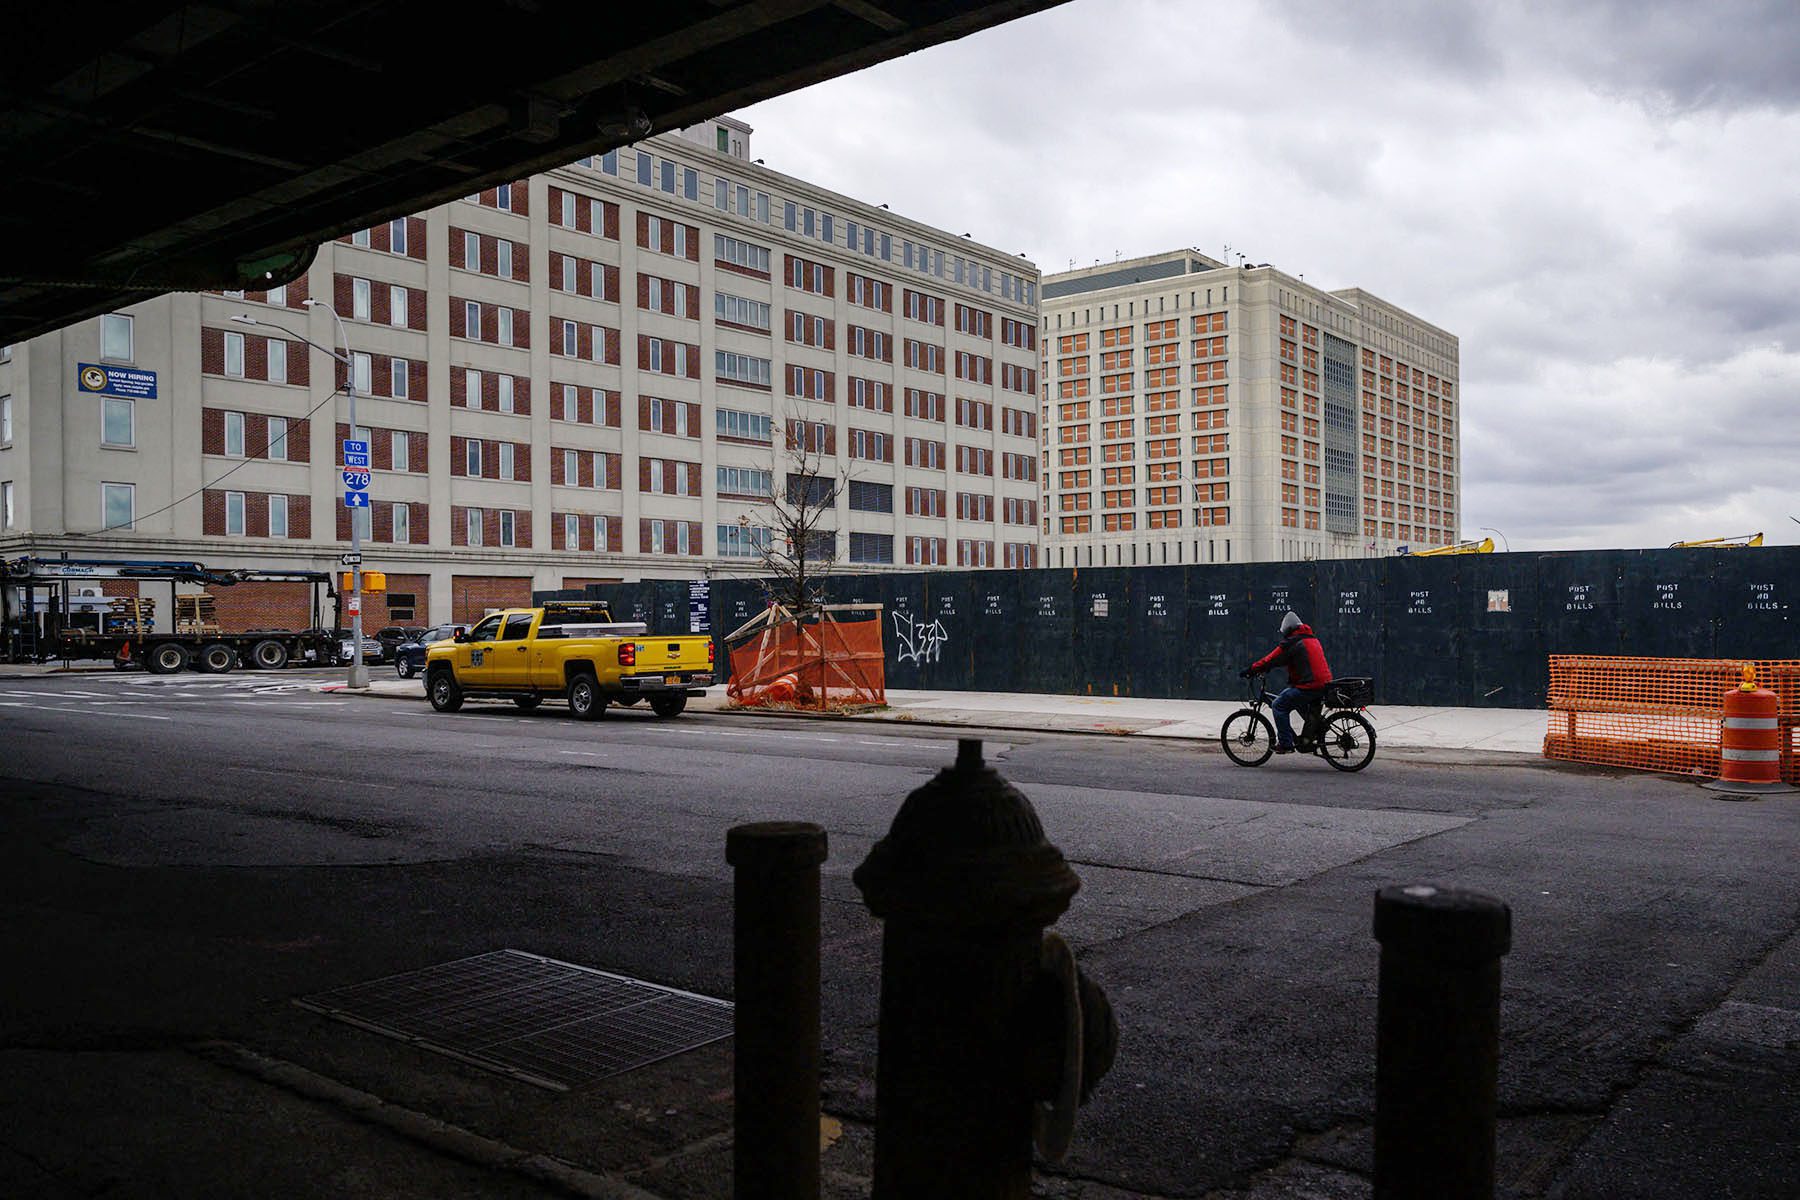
801	511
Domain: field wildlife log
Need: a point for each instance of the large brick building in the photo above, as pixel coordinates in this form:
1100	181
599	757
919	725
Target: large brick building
591	374
1196	412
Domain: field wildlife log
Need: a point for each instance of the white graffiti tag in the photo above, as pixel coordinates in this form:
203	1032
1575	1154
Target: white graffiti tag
919	643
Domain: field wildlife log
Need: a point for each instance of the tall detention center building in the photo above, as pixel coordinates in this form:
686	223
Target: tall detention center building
1196	412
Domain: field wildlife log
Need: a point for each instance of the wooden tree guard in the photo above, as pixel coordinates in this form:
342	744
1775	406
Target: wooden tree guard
813	645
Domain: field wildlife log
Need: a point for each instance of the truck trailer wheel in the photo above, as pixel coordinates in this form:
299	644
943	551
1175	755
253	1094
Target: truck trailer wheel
585	700
446	694
668	706
268	655
216	658
166	658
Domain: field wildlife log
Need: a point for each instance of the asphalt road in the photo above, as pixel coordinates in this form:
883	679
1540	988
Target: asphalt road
182	856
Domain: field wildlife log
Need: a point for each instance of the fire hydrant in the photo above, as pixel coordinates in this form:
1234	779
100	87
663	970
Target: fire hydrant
989	1035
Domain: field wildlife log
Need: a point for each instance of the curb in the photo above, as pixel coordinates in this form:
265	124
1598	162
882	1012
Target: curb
1422	754
438	1136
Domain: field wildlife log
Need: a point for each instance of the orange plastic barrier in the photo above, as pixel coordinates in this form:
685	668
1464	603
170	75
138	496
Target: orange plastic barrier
819	664
1660	714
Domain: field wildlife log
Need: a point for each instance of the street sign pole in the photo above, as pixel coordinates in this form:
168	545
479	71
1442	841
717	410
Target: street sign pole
359	670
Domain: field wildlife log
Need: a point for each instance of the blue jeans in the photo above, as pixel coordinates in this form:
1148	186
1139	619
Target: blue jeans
1285	704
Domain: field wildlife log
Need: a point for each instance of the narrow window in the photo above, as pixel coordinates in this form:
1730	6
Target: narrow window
473	525
397	307
506	393
118	420
399	374
397	235
360	299
402	523
234	354
278	431
471	251
507	460
118	502
507	519
234	514
472	458
362	372
278	516
471	320
400	453
234	434
278	352
505	259
568	210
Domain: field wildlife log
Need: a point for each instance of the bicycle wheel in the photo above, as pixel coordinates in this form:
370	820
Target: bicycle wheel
1248	738
1348	742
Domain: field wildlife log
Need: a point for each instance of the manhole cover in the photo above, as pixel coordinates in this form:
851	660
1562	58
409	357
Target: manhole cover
546	1022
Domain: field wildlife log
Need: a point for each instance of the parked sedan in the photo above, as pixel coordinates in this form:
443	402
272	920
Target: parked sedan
409	658
395	636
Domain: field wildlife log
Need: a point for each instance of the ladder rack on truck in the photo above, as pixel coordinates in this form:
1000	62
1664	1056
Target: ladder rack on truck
42	633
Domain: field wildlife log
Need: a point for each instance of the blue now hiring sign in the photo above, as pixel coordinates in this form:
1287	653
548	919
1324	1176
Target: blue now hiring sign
116	381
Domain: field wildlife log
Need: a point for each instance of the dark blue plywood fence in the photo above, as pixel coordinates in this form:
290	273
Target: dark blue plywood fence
1465	630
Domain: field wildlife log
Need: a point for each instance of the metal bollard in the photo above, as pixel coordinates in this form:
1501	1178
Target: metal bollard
1437	1042
976	1026
775	1152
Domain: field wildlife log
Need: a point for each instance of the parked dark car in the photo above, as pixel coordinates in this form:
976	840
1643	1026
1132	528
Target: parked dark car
396	636
409	658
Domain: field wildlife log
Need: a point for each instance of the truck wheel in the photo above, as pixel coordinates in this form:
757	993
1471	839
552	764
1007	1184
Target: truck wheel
269	655
166	658
668	706
585	700
216	658
446	694
528	702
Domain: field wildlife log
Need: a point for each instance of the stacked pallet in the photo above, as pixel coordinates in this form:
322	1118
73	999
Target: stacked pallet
130	614
196	614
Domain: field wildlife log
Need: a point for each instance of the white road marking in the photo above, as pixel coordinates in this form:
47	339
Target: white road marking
87	712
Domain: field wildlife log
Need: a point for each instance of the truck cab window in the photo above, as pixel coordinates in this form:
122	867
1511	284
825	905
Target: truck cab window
518	627
485	631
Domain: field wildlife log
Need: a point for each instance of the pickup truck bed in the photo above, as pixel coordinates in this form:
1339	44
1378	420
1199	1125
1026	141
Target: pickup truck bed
572	652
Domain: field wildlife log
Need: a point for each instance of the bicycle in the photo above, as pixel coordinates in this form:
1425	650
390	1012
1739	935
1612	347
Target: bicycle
1335	728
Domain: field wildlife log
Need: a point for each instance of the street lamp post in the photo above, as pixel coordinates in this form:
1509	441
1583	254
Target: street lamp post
359	670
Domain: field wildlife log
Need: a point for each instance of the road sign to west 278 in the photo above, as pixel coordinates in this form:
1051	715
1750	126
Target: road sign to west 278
356	481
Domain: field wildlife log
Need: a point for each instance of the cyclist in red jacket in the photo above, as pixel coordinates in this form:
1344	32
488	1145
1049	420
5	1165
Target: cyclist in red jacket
1307	671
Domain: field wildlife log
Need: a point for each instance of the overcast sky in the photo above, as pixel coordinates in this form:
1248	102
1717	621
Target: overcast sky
1601	200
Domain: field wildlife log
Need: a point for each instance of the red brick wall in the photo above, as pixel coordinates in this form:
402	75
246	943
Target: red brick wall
263	604
576	581
378	610
471	596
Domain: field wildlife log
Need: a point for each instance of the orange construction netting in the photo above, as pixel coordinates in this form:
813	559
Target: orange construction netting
1659	714
819	664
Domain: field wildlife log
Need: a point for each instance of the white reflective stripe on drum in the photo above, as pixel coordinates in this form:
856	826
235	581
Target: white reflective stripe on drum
1730	755
1752	723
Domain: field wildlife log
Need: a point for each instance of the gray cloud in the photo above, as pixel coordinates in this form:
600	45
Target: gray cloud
1597	199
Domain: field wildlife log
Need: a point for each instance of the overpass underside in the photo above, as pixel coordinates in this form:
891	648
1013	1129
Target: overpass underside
153	146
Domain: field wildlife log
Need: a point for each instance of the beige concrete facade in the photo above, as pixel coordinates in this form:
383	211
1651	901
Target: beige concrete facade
202	487
1200	412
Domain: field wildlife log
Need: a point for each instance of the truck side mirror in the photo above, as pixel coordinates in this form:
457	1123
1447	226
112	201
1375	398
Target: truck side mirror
458	636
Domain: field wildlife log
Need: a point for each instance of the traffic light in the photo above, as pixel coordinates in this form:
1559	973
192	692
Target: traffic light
373	581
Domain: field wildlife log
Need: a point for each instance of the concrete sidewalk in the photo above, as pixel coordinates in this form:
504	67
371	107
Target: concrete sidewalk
1464	731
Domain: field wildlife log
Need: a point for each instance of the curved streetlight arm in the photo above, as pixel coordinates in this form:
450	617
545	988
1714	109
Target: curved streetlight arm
1503	542
247	319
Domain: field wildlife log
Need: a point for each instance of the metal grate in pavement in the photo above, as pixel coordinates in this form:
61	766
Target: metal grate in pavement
546	1022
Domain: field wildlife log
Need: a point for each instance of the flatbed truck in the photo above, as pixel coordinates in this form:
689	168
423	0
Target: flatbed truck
166	652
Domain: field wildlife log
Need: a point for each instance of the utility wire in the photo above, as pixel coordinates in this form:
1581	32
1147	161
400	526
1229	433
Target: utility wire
248	459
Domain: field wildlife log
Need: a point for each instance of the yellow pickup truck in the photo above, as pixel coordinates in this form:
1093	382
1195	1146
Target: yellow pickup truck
569	650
